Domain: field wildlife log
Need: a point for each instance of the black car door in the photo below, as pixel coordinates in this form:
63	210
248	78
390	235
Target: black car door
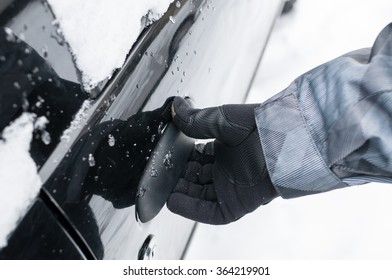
102	142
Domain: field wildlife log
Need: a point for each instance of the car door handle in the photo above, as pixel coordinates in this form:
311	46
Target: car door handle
162	172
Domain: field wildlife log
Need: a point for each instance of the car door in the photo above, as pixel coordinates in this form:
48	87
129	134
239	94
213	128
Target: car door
103	142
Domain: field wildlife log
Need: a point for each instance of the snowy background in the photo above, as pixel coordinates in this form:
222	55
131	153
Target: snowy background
351	223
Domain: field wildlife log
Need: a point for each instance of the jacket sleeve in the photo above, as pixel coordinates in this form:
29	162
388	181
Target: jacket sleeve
332	127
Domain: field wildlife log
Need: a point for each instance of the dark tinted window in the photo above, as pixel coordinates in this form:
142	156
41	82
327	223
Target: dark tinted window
29	81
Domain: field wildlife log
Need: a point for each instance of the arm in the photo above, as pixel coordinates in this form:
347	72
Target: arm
332	127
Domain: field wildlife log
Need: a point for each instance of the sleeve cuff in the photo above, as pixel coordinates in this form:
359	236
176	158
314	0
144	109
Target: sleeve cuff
294	163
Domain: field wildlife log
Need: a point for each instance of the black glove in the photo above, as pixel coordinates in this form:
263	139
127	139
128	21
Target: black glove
224	179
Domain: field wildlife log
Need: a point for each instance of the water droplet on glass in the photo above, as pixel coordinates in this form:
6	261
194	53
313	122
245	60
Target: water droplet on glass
27	51
141	192
25	104
111	140
172	19
45	137
38	104
91	160
167	161
44	51
154	172
96	178
10	35
178	4
17	85
35	70
148	128
160	127
3	58
152	138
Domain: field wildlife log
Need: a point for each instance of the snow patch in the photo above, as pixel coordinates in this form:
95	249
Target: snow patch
79	119
100	33
19	180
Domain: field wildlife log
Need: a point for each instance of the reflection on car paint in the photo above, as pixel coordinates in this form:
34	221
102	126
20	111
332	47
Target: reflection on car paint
202	55
108	161
29	84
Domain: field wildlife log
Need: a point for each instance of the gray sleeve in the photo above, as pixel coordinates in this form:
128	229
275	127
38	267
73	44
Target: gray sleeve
332	127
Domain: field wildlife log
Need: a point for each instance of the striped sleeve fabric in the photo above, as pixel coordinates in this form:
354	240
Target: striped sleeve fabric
332	127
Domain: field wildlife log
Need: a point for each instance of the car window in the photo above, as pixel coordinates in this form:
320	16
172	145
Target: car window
36	75
105	32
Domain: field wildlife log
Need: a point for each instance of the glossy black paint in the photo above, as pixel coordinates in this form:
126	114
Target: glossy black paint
28	83
40	236
210	52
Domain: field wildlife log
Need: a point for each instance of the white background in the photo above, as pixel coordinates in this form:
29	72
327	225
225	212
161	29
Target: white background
352	223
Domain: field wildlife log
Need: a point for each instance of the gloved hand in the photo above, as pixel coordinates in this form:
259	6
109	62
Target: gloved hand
224	179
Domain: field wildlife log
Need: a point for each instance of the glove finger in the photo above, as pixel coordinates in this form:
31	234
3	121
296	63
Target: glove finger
196	209
230	124
197	123
204	192
203	153
198	173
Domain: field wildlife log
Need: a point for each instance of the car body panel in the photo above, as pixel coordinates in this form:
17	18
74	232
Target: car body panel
207	50
40	231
